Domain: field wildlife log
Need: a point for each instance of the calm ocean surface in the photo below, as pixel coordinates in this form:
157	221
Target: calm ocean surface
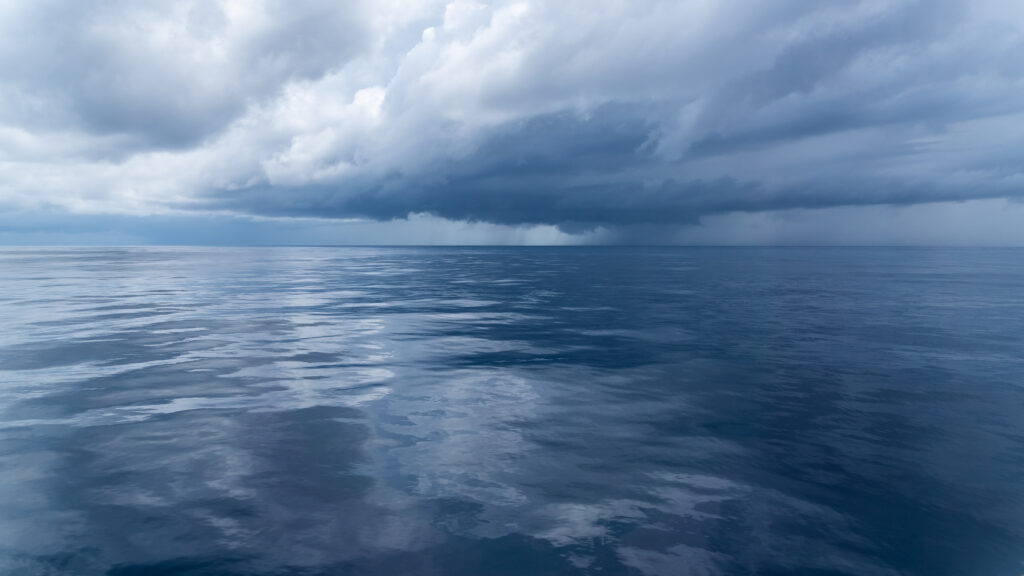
465	411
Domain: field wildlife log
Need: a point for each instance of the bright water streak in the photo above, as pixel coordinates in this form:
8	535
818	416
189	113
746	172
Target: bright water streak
511	411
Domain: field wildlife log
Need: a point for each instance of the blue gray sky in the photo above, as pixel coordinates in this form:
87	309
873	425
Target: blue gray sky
531	121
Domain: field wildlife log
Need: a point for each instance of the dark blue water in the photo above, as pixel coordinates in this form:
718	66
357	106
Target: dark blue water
315	411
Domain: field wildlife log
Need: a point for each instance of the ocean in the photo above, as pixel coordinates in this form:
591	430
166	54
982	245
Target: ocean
497	411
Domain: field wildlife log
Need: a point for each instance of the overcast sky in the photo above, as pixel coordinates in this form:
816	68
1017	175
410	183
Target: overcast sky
690	121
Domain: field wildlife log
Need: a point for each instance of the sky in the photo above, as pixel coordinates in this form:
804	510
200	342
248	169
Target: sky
879	122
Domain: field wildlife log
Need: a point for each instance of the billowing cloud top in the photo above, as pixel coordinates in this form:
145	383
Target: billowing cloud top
581	115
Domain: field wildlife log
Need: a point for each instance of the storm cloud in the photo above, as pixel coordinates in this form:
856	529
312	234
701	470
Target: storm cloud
580	115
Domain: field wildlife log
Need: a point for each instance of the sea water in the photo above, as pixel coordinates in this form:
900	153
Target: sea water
472	411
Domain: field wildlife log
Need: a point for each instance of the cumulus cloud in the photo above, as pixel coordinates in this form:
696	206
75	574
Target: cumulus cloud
584	115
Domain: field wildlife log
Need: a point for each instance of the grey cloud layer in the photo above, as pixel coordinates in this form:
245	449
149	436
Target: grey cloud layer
571	113
166	73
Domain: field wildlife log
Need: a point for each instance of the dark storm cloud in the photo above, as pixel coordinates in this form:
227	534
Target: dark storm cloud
582	115
515	200
580	173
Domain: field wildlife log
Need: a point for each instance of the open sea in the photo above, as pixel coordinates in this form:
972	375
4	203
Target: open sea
511	411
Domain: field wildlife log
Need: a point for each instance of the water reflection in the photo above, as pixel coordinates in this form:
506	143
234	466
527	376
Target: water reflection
511	411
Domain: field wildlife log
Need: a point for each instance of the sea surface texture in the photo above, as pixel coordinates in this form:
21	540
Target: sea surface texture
499	411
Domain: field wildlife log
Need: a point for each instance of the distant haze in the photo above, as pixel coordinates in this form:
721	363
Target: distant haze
534	122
